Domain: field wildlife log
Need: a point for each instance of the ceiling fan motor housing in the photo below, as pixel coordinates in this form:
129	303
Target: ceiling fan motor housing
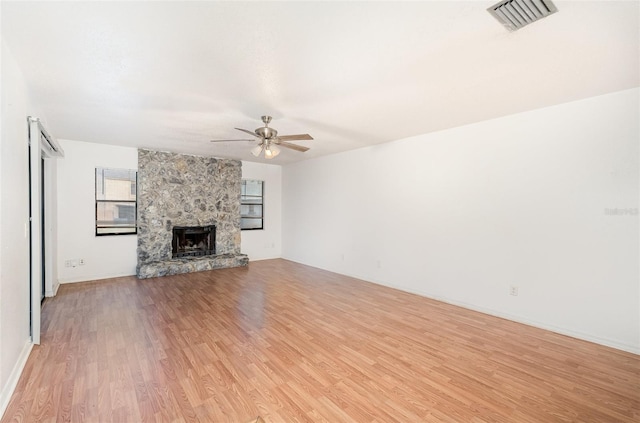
266	132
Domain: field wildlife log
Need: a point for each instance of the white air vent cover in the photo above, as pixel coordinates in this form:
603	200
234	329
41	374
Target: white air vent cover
514	14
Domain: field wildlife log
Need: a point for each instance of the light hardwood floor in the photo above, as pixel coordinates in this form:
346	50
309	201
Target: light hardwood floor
293	343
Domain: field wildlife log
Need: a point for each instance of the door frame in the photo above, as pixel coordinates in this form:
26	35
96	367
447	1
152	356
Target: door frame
41	146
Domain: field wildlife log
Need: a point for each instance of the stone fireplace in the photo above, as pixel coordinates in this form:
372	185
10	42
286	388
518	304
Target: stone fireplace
188	213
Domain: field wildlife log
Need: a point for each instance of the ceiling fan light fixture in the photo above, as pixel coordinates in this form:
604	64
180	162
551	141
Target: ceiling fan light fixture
271	151
256	150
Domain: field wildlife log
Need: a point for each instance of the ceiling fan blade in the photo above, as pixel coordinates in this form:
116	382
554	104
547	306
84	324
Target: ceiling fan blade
248	132
299	137
230	140
292	146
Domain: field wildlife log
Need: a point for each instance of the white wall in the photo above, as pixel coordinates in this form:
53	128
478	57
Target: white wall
104	256
111	256
266	243
462	214
15	338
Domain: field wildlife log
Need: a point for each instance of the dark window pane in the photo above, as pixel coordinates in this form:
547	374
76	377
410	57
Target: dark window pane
251	210
115	214
115	184
115	201
250	223
251	204
251	188
251	200
115	231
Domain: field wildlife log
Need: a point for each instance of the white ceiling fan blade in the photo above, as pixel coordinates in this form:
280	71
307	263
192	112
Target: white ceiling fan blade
248	132
299	137
230	140
292	146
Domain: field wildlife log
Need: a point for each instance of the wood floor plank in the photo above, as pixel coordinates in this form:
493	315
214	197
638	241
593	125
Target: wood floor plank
293	343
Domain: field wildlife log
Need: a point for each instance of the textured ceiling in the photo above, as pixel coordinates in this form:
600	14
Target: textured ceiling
173	75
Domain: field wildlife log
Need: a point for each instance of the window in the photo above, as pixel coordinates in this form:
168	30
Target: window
116	201
251	204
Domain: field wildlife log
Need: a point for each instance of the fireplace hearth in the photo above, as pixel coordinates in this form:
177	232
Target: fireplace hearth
193	241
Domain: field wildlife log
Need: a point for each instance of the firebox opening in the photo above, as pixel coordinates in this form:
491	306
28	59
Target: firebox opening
192	241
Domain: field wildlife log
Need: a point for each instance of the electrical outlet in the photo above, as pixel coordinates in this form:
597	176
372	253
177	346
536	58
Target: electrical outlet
73	262
513	290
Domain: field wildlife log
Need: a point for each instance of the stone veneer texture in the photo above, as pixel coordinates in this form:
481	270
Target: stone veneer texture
183	190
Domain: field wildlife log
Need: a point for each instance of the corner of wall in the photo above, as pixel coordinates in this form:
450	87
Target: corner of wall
266	243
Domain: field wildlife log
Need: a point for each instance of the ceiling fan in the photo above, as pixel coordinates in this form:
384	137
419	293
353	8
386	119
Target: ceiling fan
269	140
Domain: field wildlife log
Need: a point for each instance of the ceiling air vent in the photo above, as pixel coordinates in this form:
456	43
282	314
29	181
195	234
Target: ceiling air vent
514	14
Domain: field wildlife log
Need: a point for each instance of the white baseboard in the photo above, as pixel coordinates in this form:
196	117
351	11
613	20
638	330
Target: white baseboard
264	258
95	278
12	382
54	291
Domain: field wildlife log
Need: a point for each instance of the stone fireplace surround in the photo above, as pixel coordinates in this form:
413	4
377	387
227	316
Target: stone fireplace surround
183	190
